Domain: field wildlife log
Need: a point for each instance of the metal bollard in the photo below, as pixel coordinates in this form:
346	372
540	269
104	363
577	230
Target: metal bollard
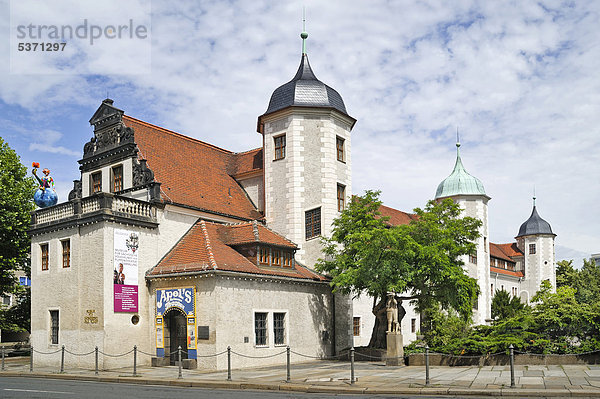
62	359
426	364
134	360
31	359
229	363
511	348
96	370
2	358
288	363
352	365
179	361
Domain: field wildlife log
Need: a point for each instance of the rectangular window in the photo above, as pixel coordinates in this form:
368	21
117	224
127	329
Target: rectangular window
531	249
260	329
339	146
276	257
6	300
356	326
96	182
287	259
485	246
313	223
263	256
66	253
473	259
117	178
54	327
492	289
279	328
44	249
341	197
413	325
25	281
279	147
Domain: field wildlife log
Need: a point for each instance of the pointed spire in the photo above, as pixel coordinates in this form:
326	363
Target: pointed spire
534	195
304	34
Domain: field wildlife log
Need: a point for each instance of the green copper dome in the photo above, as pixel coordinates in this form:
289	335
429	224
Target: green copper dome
459	182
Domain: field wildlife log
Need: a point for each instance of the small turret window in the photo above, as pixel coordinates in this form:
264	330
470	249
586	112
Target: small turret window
339	145
531	249
279	147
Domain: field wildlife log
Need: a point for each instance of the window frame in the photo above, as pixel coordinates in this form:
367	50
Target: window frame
340	149
413	325
279	143
45	256
356	326
66	254
276	257
54	327
264	327
264	255
279	331
287	259
96	188
341	197
312	224
532	249
117	178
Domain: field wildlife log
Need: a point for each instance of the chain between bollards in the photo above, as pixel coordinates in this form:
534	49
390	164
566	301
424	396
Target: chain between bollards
288	363
179	361
31	360
62	359
2	358
426	364
352	365
96	370
134	360
229	363
512	365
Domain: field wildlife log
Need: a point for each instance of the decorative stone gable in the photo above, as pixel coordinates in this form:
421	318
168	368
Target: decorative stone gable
109	130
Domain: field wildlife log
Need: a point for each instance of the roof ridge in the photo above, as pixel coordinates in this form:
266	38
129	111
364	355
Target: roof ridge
247	151
180	135
211	256
274	232
255	230
398	210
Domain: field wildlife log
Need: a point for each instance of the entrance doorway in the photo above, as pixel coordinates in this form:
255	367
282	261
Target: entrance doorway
175	335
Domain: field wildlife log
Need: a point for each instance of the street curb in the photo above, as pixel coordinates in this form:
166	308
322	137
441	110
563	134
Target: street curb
307	388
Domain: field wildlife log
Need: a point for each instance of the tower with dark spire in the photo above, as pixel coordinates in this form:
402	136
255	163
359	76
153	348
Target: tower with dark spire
536	240
467	191
307	160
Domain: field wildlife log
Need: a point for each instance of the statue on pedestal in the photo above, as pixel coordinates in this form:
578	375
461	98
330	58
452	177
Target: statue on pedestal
45	195
391	310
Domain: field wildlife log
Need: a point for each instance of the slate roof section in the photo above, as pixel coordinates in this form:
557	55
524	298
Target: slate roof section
195	173
535	225
305	90
204	248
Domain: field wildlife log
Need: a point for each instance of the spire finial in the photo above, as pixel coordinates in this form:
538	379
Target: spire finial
304	34
534	195
457	138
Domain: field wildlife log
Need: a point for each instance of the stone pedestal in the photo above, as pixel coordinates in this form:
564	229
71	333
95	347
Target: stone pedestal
395	349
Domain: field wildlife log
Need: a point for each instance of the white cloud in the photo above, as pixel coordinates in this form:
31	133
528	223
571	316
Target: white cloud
519	79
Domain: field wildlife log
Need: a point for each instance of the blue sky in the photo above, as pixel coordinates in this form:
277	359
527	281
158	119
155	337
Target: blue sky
519	79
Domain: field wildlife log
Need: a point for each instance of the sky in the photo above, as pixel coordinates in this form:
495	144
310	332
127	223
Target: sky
518	79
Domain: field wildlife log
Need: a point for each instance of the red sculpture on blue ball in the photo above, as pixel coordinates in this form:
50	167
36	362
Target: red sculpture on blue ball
45	196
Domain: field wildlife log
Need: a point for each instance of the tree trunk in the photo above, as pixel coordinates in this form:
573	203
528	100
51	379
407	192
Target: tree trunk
378	337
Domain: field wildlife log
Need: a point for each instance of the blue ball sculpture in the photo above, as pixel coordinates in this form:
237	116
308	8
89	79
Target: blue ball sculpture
45	196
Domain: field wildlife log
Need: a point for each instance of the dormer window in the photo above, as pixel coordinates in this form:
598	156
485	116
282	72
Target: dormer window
117	178
96	182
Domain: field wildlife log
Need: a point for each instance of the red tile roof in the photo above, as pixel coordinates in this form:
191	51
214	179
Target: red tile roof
506	272
497	252
192	172
510	249
245	163
203	248
396	217
254	232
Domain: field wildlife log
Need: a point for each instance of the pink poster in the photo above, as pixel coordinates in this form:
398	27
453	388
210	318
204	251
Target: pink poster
125	273
126	298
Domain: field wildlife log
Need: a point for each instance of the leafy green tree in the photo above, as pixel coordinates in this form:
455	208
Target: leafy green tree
566	275
16	202
588	288
365	254
504	305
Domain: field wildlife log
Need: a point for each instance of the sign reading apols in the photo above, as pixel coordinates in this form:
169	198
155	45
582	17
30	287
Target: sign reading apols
182	298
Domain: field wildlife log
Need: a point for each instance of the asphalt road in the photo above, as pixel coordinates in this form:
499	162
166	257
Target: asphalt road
25	387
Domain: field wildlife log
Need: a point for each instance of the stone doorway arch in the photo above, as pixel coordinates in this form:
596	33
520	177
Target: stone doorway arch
175	334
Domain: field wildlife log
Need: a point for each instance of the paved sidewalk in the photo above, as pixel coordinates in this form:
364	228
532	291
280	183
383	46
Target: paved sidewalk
371	378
